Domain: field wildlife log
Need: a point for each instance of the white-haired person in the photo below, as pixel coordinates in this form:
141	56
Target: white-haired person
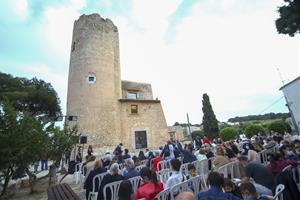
112	176
130	170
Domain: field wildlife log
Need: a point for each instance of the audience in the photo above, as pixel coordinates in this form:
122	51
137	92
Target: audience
126	154
109	178
215	181
88	184
176	176
130	171
150	186
277	163
257	180
186	196
125	190
249	192
220	158
264	180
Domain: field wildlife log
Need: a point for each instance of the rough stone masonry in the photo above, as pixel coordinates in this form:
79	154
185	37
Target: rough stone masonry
105	109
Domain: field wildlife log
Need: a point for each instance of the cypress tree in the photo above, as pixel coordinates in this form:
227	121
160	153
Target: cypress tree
209	121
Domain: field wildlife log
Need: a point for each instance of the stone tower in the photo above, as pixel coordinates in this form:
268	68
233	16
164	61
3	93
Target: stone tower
94	84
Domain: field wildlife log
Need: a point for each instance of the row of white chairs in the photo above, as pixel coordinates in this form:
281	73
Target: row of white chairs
194	184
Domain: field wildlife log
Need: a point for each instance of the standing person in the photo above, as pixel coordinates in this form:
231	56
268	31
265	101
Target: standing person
118	149
67	155
90	150
206	140
197	142
78	156
44	161
150	186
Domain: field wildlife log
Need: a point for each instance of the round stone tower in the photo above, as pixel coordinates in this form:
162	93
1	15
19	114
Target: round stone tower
94	84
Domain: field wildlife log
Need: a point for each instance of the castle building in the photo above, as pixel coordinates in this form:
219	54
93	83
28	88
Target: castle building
107	110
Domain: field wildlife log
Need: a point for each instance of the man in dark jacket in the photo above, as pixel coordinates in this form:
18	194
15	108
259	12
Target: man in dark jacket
109	178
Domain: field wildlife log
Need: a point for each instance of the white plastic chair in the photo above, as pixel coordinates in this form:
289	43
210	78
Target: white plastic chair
181	187
184	169
114	189
77	173
198	181
287	168
164	175
278	192
138	168
227	170
94	192
144	162
163	195
296	174
135	182
161	165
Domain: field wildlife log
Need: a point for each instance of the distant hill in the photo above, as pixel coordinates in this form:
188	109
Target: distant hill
185	124
266	116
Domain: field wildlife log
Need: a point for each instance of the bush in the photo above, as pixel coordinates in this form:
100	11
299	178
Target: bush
254	129
228	133
278	126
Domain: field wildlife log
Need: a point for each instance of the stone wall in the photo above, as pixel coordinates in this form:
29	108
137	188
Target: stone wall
150	117
95	51
101	113
144	89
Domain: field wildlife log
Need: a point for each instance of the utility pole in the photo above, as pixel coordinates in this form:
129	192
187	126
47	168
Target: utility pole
188	120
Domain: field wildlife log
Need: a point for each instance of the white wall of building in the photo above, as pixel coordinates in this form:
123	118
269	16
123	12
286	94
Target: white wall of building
291	92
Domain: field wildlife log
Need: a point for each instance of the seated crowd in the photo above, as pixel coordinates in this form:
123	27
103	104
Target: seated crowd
257	180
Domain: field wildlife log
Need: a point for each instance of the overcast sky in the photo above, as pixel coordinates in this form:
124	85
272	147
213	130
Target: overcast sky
229	49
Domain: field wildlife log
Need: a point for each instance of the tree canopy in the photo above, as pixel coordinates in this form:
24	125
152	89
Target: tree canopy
33	95
209	120
289	18
28	110
266	116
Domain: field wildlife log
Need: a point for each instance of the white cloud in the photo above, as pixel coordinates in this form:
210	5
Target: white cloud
57	27
20	8
232	56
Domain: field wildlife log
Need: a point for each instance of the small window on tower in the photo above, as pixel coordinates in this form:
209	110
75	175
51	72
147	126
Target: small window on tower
91	79
134	109
132	95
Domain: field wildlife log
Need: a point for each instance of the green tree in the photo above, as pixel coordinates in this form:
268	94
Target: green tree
278	126
209	120
61	141
22	137
289	18
32	95
254	129
228	133
197	133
